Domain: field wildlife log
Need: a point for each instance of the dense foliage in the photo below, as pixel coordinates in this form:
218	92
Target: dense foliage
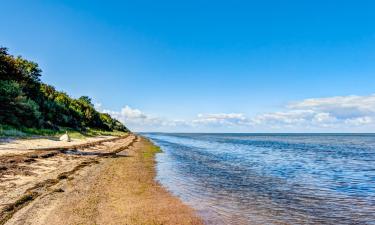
27	102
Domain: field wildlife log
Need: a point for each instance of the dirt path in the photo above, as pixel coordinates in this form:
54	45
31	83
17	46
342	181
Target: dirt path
114	189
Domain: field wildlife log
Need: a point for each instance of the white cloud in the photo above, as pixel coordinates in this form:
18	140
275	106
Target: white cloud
137	120
360	121
324	117
131	116
288	117
334	112
341	106
342	113
221	119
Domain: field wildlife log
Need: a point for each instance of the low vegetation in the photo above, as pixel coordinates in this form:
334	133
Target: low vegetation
29	106
151	151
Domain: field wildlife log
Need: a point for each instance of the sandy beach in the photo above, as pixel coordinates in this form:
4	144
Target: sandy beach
13	146
107	180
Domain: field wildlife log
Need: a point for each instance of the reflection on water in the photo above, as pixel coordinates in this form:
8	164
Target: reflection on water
271	179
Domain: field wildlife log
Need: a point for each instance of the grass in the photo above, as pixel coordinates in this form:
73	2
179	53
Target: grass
151	151
9	131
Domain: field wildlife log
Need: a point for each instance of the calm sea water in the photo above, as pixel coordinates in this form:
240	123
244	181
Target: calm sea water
271	179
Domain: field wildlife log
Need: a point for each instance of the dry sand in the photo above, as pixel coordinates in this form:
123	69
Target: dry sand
21	146
107	183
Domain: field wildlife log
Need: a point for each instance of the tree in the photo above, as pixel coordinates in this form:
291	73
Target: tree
27	102
16	109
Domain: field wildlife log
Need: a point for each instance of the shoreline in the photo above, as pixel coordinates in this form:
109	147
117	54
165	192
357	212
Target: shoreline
109	183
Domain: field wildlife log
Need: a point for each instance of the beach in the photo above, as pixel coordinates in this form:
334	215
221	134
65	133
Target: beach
107	180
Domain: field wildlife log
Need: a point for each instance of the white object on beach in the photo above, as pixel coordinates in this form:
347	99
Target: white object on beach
65	137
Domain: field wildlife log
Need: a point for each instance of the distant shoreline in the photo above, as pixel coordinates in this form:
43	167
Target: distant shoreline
254	133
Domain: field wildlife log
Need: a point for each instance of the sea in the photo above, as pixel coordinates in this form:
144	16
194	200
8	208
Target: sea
271	178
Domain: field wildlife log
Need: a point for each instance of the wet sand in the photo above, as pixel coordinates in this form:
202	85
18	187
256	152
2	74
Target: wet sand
108	183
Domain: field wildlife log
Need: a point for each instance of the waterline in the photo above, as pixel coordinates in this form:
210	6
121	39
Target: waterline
258	179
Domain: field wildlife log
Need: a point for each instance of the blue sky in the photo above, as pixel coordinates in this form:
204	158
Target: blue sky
209	66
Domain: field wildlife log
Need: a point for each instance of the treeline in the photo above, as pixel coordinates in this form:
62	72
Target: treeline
27	102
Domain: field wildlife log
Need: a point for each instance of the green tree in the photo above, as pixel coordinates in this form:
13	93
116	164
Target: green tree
26	101
16	109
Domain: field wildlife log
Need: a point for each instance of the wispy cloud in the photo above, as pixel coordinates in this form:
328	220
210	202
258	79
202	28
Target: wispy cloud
231	119
137	120
341	113
342	106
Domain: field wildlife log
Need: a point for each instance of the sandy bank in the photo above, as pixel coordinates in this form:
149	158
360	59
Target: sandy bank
110	183
21	146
